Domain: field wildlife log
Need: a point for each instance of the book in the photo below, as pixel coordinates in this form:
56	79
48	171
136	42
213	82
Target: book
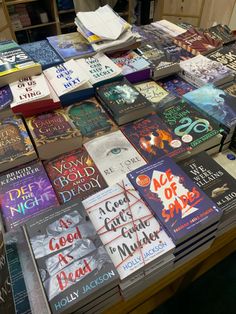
168	27
227	160
175	85
64	244
43	53
221	32
123	101
6	99
16	147
15	63
136	233
197	42
71	45
114	156
134	67
153	139
177	202
201	70
100	69
215	103
158	96
53	133
226	55
25	191
7	301
217	183
74	175
90	119
191	126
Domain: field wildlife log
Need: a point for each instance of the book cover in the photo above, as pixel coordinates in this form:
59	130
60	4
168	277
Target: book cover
90	119
99	68
122	99
43	53
221	32
6	97
127	228
158	96
189	124
230	89
175	85
6	300
66	77
214	180
71	260
15	142
215	103
177	202
153	139
114	156
74	175
25	192
71	45
201	70
226	55
197	42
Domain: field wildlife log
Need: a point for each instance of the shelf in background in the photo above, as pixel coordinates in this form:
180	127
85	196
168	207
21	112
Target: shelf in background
18	2
65	25
34	26
66	11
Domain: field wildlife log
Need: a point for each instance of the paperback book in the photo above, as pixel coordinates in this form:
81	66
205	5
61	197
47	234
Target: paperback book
90	119
176	85
136	233
191	126
71	45
15	63
221	32
225	55
25	192
6	99
201	70
123	101
43	53
64	244
74	175
16	147
53	133
177	202
114	156
153	139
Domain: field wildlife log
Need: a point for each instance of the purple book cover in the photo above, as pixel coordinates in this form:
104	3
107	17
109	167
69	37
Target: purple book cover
175	199
25	192
176	85
5	97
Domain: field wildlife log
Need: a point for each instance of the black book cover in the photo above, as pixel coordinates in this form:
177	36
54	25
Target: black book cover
225	55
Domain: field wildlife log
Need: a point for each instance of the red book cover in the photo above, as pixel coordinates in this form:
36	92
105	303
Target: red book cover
74	175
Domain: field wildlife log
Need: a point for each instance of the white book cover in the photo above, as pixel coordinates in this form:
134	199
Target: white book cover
29	89
66	77
114	156
98	68
130	233
169	27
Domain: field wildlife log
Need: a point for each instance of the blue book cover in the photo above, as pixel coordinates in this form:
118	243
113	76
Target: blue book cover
43	53
176	85
177	202
6	97
215	103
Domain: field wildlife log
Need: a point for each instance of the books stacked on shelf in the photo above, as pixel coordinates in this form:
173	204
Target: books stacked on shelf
15	63
153	139
217	183
123	101
15	143
200	70
221	32
134	67
130	232
106	30
53	133
25	192
71	46
74	176
64	244
33	95
6	99
70	83
90	119
158	96
114	156
43	53
100	69
198	131
187	214
215	103
225	55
